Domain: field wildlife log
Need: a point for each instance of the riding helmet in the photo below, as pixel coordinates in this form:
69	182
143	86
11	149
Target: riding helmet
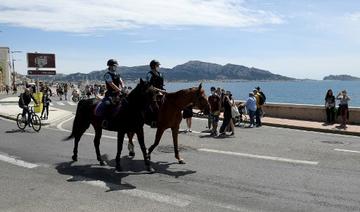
154	63
112	62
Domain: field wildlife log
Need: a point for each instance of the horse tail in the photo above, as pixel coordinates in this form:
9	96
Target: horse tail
81	120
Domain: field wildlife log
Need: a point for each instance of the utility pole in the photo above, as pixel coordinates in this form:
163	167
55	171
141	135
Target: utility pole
13	65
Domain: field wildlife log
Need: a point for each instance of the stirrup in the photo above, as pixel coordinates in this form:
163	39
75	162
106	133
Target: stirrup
105	124
153	124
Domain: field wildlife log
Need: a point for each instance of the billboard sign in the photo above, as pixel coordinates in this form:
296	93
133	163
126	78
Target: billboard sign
41	72
41	60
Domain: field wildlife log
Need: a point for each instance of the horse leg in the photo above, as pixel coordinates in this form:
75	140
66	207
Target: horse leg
98	133
175	132
140	136
120	140
131	144
76	144
75	150
159	133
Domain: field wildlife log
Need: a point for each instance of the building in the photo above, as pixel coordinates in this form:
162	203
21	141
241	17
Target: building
5	67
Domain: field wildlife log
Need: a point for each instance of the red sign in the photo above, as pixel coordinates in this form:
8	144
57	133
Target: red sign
40	60
41	72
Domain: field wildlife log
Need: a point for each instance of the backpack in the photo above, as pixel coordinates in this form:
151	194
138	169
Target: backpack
262	98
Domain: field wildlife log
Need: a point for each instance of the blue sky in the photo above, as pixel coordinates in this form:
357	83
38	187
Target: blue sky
302	39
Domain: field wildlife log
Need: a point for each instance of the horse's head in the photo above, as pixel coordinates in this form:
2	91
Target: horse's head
201	101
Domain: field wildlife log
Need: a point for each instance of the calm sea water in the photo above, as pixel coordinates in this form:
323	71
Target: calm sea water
299	92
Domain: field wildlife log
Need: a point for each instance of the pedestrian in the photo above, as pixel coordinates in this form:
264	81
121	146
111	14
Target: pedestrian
65	91
215	104
46	102
258	112
251	107
343	107
7	89
227	114
330	107
187	115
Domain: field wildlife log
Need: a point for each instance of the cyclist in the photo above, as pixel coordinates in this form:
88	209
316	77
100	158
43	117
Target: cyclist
24	101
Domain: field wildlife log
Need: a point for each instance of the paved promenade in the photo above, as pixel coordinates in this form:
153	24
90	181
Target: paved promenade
9	109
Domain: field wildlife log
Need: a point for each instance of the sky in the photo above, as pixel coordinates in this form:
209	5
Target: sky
302	39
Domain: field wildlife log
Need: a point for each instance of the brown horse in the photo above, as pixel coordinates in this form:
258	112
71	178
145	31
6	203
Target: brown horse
170	114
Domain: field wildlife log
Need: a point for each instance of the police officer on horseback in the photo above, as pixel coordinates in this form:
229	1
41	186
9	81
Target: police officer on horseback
114	88
154	77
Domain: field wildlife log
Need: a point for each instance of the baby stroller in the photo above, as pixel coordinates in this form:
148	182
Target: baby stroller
242	119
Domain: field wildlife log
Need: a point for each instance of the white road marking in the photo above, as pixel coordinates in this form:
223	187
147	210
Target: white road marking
288	160
347	150
60	103
17	162
71	103
59	126
163	198
51	104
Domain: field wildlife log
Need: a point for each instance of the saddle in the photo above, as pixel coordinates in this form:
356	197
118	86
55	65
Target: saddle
152	112
106	111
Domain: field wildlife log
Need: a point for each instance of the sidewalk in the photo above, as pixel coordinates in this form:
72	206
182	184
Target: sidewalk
10	111
309	125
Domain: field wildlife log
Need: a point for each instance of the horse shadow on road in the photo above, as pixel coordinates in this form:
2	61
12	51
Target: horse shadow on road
114	180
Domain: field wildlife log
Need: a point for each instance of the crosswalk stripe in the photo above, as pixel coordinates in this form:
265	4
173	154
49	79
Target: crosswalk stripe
60	103
51	104
71	103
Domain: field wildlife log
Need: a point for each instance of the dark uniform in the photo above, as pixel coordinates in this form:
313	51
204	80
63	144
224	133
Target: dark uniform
155	79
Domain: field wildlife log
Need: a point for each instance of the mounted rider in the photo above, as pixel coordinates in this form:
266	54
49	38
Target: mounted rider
114	88
156	79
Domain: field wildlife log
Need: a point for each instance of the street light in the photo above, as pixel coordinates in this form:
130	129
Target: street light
13	65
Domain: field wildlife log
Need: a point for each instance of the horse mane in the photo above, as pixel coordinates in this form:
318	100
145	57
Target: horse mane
181	92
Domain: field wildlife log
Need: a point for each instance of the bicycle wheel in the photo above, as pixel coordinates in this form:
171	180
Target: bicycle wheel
21	123
36	122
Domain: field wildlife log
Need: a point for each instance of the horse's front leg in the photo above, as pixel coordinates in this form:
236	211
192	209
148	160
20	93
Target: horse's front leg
140	136
175	132
159	133
120	140
131	144
98	133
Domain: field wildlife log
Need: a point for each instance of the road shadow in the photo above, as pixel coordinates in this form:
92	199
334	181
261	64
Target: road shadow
112	179
20	131
90	172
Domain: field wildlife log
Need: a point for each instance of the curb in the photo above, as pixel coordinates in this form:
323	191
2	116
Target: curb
341	132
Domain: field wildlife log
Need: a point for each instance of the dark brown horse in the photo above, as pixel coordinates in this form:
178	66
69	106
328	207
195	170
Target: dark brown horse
129	119
170	113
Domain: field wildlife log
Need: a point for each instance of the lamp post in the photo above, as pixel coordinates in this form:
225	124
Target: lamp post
13	65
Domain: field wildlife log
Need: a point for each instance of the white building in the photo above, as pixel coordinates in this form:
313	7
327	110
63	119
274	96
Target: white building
5	67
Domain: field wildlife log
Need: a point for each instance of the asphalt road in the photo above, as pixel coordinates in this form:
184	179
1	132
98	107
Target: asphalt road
260	169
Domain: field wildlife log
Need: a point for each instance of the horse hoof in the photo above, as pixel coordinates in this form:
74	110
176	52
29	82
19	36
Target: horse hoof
74	158
132	154
150	169
182	161
118	169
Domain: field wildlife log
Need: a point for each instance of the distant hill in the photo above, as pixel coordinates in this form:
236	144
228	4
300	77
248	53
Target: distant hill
190	71
343	77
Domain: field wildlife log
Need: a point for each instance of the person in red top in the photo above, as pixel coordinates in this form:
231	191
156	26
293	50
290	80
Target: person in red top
215	105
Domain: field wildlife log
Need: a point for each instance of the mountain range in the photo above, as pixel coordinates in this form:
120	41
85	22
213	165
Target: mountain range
343	77
190	71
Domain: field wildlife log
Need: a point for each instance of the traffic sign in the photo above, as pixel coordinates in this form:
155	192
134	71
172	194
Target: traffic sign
41	60
41	72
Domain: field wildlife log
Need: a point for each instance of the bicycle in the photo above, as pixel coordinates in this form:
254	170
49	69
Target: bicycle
30	119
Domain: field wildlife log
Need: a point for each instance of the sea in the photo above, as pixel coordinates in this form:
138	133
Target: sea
296	92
